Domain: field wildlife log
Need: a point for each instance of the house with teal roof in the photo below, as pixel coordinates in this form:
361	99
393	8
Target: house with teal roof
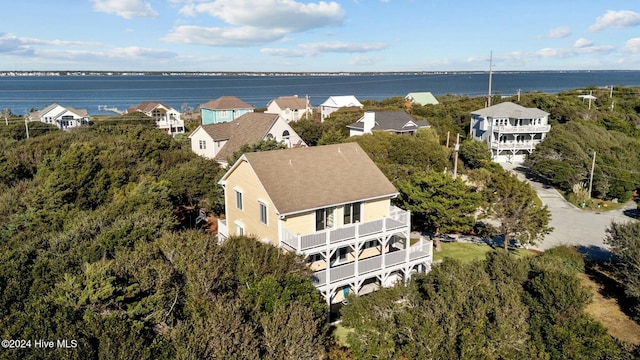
224	109
422	98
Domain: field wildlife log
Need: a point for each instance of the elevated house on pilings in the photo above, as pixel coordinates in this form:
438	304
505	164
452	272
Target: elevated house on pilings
330	204
511	131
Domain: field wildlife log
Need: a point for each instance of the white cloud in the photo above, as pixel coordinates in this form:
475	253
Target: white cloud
632	46
254	22
267	14
285	52
313	49
343	47
239	36
557	33
616	19
361	60
12	44
562	53
582	43
125	8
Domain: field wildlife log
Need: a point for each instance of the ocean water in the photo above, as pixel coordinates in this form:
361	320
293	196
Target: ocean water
22	93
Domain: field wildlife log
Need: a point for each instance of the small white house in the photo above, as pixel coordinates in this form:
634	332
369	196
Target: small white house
333	103
62	117
290	108
219	141
166	117
398	122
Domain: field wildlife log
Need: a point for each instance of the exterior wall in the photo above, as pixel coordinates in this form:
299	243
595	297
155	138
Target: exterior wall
277	131
211	116
210	149
305	223
244	180
62	118
325	111
510	139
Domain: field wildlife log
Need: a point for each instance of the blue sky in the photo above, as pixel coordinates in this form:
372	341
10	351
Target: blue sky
299	35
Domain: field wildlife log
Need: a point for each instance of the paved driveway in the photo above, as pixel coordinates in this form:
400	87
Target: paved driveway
573	226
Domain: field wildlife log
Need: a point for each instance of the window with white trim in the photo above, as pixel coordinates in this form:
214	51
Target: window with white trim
239	230
263	212
324	218
238	199
203	144
352	213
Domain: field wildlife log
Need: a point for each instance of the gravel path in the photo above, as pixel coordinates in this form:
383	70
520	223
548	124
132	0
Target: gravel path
573	226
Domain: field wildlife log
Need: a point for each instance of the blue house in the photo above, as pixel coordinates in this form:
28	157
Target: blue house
223	109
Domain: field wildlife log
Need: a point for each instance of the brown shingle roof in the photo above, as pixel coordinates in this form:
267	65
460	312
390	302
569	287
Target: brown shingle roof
226	103
319	176
291	102
246	129
146	106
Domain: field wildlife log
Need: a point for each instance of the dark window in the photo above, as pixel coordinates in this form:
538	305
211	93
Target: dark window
352	213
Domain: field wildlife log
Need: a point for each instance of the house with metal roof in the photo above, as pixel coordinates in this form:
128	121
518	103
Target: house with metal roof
223	109
398	122
511	131
219	141
422	98
330	204
333	103
62	117
166	117
290	108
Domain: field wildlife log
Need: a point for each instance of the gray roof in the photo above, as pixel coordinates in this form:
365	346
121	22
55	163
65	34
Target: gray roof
398	121
511	111
303	179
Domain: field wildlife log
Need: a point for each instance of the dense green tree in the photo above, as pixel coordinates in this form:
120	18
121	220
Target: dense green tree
439	202
309	130
624	240
474	154
515	205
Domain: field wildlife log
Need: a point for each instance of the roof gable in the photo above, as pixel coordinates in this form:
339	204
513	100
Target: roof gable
290	102
510	110
249	128
148	106
397	121
422	98
342	101
292	178
226	103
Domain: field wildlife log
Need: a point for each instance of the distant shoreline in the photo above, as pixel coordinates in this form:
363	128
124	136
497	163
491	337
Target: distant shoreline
276	73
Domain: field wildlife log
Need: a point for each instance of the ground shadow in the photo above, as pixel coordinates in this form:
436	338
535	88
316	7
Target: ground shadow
632	213
595	253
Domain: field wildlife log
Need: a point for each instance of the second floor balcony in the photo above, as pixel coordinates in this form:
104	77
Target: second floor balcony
515	145
397	221
522	129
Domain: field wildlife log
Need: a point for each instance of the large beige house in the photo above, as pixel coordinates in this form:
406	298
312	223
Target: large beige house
511	131
330	204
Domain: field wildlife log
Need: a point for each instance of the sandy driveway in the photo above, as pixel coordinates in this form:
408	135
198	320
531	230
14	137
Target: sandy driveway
573	226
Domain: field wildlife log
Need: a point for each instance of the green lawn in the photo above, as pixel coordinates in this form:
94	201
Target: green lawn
340	334
467	252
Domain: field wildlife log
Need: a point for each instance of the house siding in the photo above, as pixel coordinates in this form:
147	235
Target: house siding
212	116
244	179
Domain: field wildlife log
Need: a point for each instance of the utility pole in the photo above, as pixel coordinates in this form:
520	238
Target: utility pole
611	92
455	161
519	94
490	77
448	139
593	165
26	123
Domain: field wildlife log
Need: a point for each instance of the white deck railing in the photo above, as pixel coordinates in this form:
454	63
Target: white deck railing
370	266
398	219
523	129
530	144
